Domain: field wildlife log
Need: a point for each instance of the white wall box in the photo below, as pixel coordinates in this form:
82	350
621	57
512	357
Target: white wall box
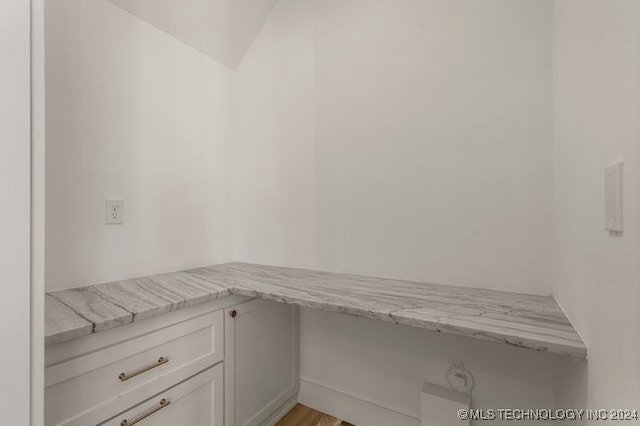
440	405
261	362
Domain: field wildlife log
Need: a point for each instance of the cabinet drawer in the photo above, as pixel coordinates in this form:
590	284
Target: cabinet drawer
93	387
195	402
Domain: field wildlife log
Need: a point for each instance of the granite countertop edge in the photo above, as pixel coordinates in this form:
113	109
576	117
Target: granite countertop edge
527	321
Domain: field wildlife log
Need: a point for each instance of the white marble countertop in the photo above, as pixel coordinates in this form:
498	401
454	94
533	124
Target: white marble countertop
523	320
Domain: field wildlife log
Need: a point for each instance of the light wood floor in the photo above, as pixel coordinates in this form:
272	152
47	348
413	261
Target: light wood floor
305	416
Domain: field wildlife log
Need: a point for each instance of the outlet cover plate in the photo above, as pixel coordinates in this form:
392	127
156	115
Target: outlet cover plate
113	212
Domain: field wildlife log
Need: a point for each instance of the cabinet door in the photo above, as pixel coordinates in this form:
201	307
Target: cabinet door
195	402
261	360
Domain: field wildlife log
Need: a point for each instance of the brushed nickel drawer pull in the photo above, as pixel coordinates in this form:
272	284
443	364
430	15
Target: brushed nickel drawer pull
124	376
163	403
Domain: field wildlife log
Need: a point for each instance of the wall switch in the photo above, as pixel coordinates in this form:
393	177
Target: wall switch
613	197
113	212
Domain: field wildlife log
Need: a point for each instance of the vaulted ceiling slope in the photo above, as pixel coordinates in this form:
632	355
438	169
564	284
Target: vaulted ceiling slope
221	29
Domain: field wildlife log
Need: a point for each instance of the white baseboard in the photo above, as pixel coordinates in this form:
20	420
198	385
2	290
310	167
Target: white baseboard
282	411
351	408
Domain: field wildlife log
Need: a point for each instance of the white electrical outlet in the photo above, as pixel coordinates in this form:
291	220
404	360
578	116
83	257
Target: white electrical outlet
113	212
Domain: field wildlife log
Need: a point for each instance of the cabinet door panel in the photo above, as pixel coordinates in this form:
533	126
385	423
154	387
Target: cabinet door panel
195	402
261	354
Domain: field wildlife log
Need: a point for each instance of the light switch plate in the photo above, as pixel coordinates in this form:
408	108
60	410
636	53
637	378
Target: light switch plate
613	197
113	212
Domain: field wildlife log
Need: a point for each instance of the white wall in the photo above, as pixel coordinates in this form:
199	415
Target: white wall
347	114
372	373
15	215
272	150
38	212
136	115
422	151
222	29
433	140
597	122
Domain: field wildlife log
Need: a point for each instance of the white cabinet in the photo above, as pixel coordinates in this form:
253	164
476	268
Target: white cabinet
195	402
121	371
93	386
261	362
228	362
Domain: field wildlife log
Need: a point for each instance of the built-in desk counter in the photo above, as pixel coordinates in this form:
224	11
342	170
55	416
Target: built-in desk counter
528	321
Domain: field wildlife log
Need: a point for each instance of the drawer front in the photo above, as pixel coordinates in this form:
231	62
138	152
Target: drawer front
195	402
93	387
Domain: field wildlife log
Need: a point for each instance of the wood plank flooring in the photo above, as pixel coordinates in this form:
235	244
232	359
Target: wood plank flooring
301	415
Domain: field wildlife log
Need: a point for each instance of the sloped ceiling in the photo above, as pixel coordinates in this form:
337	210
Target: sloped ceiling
221	29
